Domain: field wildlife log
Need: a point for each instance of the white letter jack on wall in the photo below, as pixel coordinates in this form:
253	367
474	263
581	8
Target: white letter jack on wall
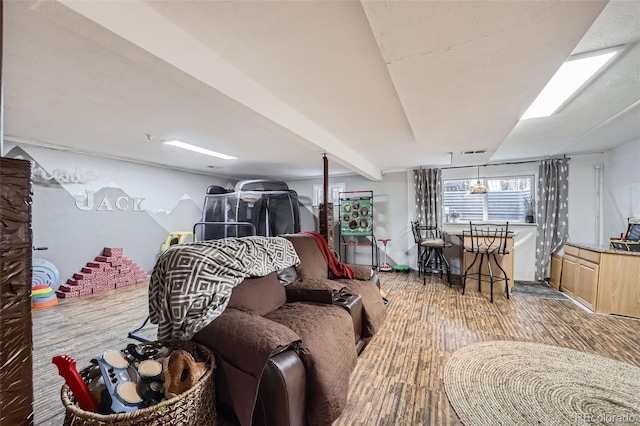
88	204
123	203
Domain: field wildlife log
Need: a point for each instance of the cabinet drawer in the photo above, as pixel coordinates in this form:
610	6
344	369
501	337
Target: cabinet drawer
573	251
591	256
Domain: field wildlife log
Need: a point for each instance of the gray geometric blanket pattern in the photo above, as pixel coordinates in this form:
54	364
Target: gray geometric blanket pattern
191	283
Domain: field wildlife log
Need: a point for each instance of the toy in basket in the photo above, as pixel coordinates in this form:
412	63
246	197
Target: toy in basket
154	383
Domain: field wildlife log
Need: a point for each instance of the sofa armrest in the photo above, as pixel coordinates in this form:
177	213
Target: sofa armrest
243	344
282	395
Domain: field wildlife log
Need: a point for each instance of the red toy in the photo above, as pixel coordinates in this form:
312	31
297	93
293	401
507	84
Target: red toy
67	369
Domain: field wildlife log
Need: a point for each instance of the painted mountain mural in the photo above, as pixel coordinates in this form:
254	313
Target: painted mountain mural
76	236
182	217
42	177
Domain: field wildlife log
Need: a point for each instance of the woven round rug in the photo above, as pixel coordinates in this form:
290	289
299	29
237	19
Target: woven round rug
518	383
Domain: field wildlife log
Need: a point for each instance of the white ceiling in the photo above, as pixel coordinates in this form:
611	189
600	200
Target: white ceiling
378	86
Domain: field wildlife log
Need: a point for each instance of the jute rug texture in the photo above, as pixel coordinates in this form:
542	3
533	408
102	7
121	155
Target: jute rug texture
519	383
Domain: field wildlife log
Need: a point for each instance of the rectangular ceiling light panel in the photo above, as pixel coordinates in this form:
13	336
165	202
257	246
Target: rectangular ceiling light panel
194	148
572	75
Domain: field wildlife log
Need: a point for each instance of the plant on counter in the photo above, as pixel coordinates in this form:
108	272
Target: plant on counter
529	209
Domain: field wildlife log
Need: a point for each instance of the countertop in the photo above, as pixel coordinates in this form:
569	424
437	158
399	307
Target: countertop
603	248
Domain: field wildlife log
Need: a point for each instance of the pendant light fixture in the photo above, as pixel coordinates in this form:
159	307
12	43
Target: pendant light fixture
478	188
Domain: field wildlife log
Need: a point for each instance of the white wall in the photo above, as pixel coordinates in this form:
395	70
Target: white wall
594	219
135	206
583	205
161	188
621	198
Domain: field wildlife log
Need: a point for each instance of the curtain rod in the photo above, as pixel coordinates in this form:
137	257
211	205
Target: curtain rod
506	163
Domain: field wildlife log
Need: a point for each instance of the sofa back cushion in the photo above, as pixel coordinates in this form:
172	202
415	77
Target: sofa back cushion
258	295
312	264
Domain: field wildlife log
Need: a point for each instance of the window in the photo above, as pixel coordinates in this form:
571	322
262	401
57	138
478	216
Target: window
505	201
334	193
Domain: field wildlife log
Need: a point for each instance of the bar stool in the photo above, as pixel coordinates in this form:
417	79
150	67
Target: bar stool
433	259
487	241
417	237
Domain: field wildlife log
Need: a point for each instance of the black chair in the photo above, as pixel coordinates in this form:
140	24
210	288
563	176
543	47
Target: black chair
433	259
431	244
415	228
486	241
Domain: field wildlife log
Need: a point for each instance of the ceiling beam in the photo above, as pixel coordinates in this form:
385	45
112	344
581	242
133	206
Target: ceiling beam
143	26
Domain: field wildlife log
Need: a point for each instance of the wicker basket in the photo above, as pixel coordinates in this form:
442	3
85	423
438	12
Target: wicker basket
196	406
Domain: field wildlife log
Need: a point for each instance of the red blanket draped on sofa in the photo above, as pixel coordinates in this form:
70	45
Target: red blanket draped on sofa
337	268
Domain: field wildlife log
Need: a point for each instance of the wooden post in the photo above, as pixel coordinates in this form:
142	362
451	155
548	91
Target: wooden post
1	85
326	208
16	364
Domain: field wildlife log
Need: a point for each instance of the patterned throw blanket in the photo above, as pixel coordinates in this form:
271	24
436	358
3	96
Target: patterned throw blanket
191	283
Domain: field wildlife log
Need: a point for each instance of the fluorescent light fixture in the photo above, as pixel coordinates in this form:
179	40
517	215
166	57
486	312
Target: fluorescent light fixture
572	75
188	146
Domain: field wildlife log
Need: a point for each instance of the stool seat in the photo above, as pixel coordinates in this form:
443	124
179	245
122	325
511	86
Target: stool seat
486	249
435	243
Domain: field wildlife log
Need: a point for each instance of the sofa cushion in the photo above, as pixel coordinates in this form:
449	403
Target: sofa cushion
258	295
312	263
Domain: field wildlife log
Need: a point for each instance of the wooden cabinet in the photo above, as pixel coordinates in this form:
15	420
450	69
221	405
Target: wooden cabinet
605	281
580	270
556	271
619	286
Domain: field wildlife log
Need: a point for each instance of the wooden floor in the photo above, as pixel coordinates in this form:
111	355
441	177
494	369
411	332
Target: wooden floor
398	378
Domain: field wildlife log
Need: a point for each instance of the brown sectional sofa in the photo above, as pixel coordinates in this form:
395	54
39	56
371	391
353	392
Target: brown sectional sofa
285	352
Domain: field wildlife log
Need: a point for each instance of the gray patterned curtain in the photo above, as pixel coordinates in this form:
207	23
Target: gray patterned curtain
553	218
428	196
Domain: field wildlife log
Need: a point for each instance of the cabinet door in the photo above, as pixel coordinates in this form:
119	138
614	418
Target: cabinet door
556	271
586	282
567	283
